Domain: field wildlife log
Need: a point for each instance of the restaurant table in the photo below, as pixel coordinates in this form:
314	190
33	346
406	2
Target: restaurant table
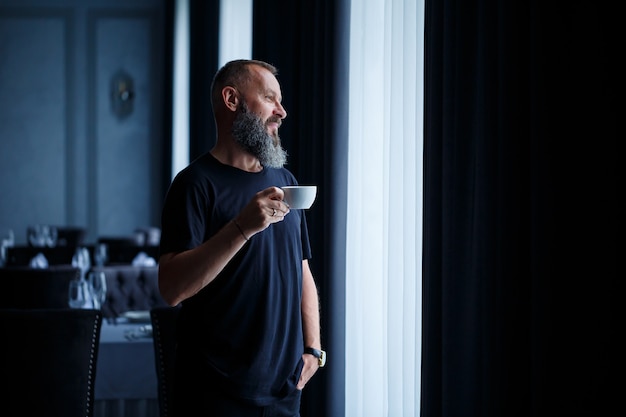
126	382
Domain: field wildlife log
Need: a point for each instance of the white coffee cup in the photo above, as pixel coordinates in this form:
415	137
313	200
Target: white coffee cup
300	196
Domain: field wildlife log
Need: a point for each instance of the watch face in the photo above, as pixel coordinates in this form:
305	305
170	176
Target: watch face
319	354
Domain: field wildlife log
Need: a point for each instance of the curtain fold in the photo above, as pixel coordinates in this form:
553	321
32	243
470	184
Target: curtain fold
520	209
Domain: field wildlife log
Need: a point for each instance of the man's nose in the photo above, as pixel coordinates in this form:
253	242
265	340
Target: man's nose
280	110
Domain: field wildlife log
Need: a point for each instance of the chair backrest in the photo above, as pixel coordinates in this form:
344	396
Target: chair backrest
71	237
25	287
48	361
130	288
164	339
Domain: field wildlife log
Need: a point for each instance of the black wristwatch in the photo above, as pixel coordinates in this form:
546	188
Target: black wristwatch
319	354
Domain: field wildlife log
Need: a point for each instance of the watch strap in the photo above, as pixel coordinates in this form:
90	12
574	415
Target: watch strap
312	351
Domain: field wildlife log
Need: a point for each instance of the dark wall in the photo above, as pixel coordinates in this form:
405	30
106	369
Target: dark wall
72	153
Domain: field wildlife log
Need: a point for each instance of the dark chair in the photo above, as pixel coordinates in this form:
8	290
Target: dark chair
130	288
48	361
71	237
25	287
164	339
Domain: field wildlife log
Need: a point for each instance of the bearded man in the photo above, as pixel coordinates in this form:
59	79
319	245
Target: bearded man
235	258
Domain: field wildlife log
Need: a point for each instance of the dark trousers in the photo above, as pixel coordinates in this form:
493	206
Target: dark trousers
196	394
214	404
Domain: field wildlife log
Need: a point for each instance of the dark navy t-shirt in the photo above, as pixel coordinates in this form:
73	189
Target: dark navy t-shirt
246	325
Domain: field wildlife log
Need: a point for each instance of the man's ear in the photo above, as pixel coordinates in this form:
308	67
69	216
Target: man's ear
230	97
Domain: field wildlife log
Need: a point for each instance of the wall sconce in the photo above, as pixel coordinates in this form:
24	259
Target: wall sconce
122	94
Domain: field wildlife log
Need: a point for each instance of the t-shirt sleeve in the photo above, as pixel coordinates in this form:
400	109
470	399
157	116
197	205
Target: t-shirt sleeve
184	217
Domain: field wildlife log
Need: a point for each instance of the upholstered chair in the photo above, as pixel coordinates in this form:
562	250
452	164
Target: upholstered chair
48	361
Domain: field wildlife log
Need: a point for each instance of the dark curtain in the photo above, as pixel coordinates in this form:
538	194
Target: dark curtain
203	61
519	209
307	42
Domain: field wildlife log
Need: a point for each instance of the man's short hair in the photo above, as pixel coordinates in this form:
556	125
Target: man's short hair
235	73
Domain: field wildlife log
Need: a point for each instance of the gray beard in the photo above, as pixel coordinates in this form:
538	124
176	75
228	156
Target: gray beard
251	134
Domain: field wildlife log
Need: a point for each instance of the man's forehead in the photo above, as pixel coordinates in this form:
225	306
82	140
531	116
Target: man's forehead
265	80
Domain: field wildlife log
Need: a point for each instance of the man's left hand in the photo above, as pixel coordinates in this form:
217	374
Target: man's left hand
311	365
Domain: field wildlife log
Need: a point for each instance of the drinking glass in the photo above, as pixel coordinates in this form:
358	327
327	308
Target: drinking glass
36	236
101	254
51	235
7	240
81	261
78	296
98	288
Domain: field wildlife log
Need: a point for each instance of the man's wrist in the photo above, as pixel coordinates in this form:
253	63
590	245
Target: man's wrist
318	353
240	229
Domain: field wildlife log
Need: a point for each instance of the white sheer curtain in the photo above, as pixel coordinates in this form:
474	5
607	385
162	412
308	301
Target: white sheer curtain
235	44
384	230
180	109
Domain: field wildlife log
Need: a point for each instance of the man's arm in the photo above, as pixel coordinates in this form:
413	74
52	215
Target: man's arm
183	274
310	323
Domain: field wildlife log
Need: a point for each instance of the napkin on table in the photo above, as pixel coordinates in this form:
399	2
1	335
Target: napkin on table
142	259
39	261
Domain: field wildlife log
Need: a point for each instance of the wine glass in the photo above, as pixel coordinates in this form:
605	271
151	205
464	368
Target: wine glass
51	235
36	236
78	296
81	261
7	241
98	288
101	254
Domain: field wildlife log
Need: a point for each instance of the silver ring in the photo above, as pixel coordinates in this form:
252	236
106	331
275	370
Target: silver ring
273	212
